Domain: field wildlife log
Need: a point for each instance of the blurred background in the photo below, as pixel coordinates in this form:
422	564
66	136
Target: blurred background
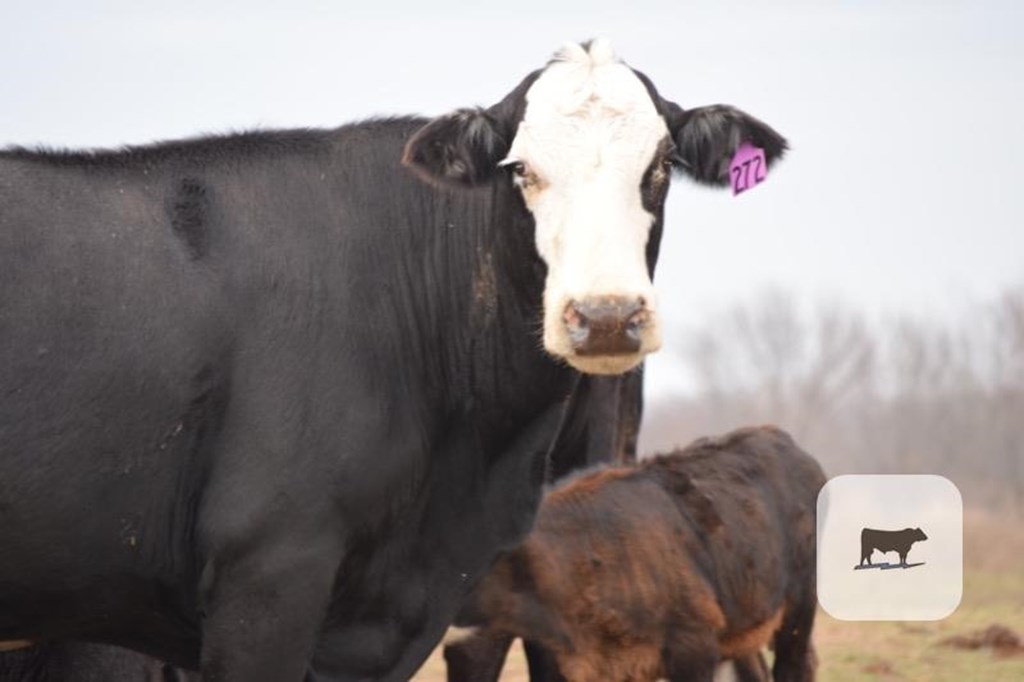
869	297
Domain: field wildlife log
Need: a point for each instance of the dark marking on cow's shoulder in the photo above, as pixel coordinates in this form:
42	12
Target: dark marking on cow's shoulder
188	209
671	474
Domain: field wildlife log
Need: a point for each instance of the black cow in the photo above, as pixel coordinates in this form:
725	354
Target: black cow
666	568
271	403
899	541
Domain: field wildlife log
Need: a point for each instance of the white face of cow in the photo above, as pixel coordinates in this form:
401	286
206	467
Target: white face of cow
589	133
588	147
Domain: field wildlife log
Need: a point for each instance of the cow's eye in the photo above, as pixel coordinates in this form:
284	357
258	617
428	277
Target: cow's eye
522	175
515	167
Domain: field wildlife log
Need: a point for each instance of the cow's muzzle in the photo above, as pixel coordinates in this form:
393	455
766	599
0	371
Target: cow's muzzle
606	325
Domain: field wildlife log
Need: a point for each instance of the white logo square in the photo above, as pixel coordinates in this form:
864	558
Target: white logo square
890	547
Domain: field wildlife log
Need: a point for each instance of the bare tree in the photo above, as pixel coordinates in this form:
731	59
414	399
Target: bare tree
904	393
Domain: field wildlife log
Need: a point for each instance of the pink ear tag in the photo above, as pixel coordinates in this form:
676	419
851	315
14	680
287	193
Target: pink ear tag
748	168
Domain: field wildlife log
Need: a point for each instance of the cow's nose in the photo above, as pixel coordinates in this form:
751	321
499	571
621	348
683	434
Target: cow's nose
606	325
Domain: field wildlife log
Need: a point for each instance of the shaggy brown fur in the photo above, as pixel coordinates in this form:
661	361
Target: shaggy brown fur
668	567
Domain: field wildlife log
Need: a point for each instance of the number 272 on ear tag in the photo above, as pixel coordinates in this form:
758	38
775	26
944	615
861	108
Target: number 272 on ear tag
748	168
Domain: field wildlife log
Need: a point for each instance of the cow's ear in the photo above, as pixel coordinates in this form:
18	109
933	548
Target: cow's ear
461	149
707	138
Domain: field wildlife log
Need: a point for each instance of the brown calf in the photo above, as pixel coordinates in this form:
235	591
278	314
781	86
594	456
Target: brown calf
666	568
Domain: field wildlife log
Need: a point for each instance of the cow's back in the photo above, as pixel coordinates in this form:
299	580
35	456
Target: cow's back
735	515
752	494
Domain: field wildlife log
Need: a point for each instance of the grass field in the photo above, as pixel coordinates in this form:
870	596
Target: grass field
993	594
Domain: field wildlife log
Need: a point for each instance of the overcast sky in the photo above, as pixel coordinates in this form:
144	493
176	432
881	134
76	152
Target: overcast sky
902	191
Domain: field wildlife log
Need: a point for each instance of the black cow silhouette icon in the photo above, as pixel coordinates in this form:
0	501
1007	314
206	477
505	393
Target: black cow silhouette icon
899	541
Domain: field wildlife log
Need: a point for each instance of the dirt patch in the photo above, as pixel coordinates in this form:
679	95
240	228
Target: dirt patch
1002	640
992	542
881	669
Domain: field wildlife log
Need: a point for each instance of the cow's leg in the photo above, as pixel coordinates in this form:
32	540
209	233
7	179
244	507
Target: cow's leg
903	558
478	657
794	657
542	663
263	611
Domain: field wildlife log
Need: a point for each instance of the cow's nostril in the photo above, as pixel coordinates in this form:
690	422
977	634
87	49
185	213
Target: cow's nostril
637	320
577	324
574	318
